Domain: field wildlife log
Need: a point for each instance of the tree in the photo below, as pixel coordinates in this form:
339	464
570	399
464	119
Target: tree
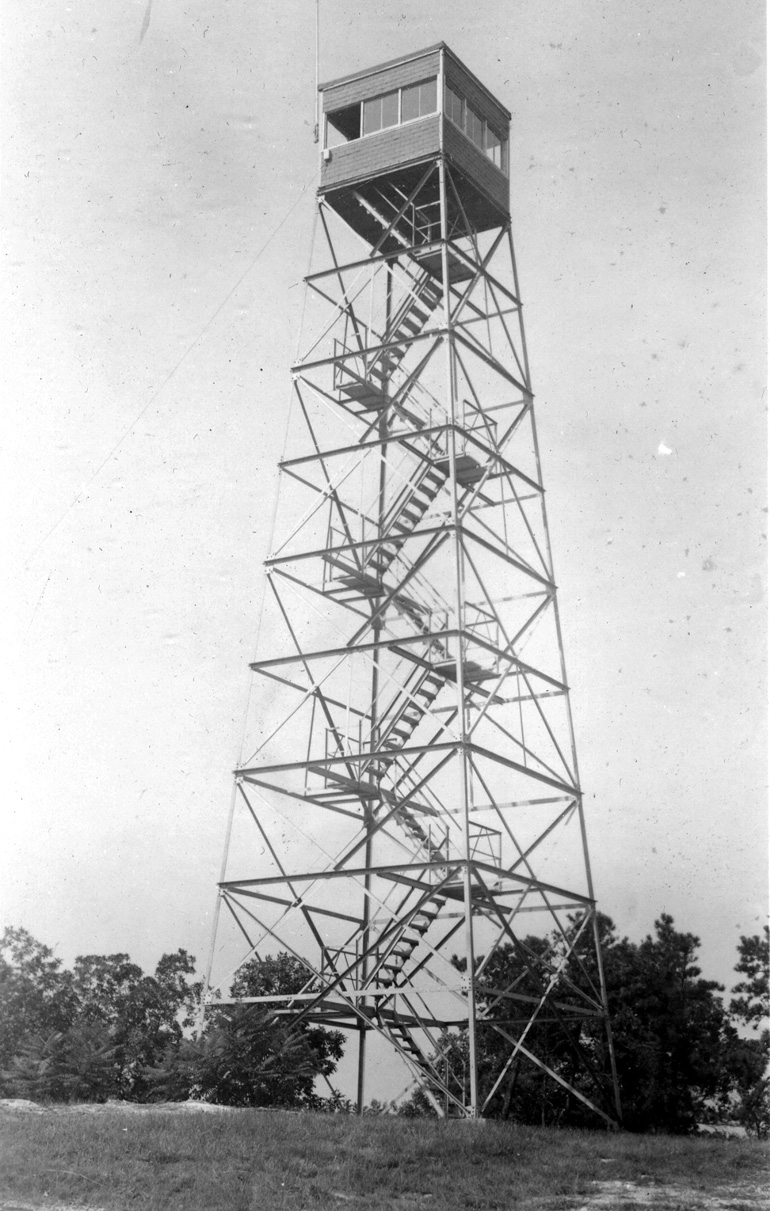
671	1033
753	1005
143	1014
86	1068
36	995
89	1033
33	1069
107	1029
674	1043
251	1055
750	1056
519	979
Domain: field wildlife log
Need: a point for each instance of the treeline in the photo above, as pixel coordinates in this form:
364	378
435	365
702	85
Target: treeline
684	1056
105	1029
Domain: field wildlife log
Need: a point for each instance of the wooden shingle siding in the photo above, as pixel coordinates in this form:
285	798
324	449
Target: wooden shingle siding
376	153
337	96
472	161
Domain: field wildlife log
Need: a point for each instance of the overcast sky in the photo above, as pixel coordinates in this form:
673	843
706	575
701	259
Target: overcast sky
158	199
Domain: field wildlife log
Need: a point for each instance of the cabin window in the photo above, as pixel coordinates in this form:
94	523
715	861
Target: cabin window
343	125
418	100
496	149
455	107
476	128
380	113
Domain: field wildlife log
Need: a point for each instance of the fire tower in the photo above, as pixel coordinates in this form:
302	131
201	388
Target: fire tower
411	795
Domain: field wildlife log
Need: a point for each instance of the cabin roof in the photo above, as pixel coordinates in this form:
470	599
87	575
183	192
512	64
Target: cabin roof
418	54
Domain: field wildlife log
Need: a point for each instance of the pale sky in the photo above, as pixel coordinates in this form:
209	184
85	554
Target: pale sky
156	234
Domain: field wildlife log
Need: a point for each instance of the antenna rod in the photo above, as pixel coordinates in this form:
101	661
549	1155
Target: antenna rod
317	62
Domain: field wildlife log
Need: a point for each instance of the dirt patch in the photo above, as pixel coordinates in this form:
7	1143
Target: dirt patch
16	1205
20	1105
628	1196
606	1196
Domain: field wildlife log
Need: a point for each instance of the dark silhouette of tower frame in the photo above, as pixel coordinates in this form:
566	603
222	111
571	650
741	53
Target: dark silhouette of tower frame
413	802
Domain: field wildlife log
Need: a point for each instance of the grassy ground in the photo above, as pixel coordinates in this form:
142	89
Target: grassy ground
252	1161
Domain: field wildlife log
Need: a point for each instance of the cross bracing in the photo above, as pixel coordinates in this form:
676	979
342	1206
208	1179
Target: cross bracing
411	796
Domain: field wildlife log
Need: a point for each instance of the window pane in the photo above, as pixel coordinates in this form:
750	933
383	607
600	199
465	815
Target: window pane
455	105
410	103
372	115
389	110
427	97
494	147
417	100
474	127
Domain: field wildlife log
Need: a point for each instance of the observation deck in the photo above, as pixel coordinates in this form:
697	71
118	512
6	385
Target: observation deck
384	127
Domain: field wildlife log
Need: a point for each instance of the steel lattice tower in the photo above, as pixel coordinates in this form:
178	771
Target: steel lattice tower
413	790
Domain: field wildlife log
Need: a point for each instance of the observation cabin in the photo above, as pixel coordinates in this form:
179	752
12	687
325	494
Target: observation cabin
381	130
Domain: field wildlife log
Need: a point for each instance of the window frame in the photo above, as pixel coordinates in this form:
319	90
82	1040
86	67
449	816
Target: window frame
485	127
418	84
400	120
392	92
501	145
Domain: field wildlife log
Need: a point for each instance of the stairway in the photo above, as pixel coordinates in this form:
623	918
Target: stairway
368	390
398	957
405	515
413	934
409	320
403	722
408	938
414	502
363	383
